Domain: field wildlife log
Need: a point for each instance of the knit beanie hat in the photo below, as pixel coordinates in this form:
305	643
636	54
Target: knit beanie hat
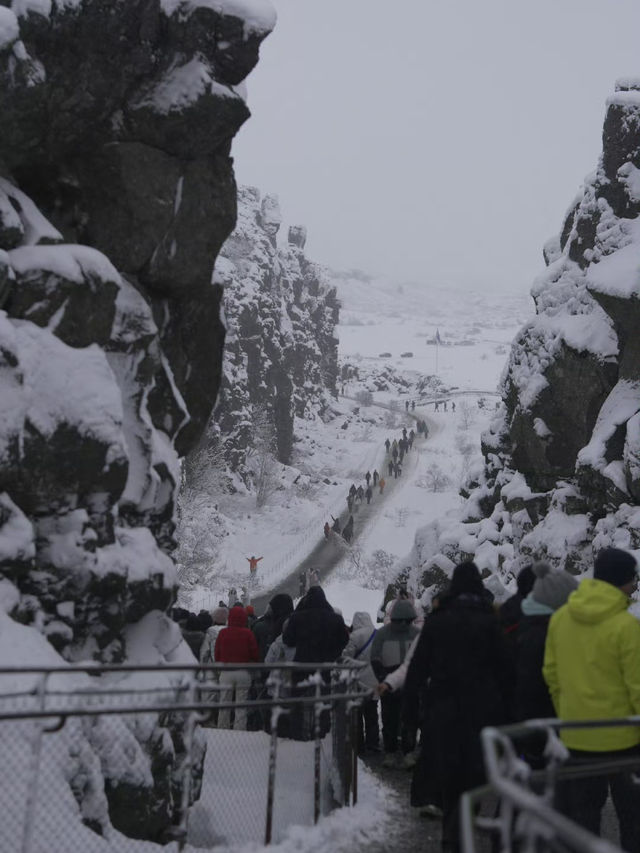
615	566
403	611
220	615
552	587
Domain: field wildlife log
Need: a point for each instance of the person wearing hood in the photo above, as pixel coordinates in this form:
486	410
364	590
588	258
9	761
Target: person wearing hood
460	680
358	648
282	608
550	591
592	668
388	650
235	644
317	633
263	628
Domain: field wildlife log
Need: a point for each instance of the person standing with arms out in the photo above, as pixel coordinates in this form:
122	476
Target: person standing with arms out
253	563
592	669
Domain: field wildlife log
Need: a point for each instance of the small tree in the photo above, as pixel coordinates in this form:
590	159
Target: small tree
434	479
262	456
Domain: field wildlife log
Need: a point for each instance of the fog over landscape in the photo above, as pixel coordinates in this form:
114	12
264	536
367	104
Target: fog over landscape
438	142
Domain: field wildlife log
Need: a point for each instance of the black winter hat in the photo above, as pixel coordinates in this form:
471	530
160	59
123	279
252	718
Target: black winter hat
525	581
466	580
615	566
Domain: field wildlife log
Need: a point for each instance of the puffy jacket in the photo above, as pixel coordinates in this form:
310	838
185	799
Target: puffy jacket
391	644
318	634
237	643
361	639
592	665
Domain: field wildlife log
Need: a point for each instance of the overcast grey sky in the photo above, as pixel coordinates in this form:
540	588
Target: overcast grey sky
439	141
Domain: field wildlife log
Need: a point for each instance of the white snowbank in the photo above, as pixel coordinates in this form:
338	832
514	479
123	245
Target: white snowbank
259	16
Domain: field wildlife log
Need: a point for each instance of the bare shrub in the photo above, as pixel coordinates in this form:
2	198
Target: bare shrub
434	479
466	415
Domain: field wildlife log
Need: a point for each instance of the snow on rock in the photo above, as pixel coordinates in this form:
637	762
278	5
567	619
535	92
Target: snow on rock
564	449
110	340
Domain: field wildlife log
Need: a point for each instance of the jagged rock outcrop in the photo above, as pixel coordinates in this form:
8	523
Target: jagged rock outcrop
116	193
562	473
281	352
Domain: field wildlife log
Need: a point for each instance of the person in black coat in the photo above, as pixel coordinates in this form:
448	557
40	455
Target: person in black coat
510	613
532	700
319	635
461	677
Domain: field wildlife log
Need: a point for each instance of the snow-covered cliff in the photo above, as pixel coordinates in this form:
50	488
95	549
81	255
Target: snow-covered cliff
281	353
562	472
116	193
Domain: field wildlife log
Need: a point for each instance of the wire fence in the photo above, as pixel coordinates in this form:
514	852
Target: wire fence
182	755
542	797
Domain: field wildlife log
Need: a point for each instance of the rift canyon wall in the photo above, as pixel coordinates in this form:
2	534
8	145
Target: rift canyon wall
116	193
562	472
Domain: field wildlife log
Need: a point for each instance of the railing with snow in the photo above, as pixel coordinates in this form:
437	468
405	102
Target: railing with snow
525	817
59	725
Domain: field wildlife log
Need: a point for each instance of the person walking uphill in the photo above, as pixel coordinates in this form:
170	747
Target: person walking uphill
235	644
388	650
460	678
592	668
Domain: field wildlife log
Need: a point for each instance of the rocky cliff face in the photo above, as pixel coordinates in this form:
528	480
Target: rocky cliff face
116	194
562	476
281	352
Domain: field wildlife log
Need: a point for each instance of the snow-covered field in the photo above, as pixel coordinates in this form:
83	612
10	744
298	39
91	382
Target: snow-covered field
376	317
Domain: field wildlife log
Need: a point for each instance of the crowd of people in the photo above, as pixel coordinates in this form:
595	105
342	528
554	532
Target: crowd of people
554	649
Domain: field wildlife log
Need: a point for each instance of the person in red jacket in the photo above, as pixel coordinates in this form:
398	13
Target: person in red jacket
235	644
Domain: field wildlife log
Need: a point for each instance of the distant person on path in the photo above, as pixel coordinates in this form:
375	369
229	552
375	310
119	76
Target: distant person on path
369	494
453	406
376	476
313	578
394	453
349	503
437	408
367	477
235	644
387	444
592	668
406	405
413	405
253	563
404	432
391	466
327	530
381	484
347	533
360	494
336	525
352	490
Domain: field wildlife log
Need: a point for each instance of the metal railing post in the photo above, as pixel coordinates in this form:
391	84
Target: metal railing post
273	749
36	752
317	708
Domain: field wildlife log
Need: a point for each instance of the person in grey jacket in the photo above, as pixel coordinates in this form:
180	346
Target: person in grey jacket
358	648
390	647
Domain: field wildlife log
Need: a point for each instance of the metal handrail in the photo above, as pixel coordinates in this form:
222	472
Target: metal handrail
510	778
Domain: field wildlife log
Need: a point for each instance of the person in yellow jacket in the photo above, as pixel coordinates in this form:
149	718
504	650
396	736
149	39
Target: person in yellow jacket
592	668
